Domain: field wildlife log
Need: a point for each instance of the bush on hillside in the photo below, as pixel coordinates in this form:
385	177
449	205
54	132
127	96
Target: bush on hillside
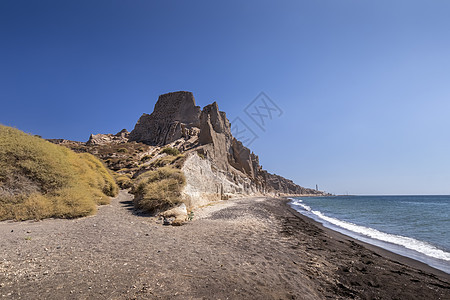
170	151
39	179
146	158
158	190
123	181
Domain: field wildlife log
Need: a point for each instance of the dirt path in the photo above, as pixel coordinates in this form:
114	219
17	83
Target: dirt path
240	249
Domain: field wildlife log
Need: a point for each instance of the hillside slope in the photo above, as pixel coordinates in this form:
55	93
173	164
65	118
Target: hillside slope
40	180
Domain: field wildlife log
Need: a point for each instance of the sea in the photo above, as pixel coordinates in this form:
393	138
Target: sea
414	226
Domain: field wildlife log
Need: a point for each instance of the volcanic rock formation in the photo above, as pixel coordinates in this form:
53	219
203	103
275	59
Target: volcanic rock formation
217	165
174	117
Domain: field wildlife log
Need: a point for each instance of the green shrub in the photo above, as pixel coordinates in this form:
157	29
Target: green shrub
158	190
122	150
170	151
39	179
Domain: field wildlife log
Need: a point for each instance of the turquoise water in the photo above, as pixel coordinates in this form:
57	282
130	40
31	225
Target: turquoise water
413	226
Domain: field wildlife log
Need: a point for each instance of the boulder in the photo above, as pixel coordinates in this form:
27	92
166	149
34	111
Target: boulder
103	139
179	215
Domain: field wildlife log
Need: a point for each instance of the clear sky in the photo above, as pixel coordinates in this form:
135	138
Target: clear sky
364	86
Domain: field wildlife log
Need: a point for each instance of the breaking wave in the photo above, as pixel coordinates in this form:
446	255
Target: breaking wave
407	242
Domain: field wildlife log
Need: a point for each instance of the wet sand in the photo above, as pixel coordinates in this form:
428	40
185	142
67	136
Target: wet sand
254	248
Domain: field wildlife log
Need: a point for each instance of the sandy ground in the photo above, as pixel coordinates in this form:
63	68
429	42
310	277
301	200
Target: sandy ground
240	249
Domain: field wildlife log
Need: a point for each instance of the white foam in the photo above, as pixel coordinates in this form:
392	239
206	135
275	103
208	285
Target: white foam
406	242
296	201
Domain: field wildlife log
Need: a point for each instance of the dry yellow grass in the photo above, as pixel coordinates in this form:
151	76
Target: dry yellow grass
123	180
159	189
171	151
40	180
169	160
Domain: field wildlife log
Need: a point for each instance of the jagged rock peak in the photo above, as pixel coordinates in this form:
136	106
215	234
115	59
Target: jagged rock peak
177	106
123	133
212	123
173	117
217	118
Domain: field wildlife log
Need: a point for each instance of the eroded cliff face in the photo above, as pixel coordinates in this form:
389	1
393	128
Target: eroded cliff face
206	183
217	166
175	116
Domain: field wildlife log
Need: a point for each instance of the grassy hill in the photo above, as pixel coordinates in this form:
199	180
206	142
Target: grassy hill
39	179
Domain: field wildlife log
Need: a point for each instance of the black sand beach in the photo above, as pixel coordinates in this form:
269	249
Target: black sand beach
255	248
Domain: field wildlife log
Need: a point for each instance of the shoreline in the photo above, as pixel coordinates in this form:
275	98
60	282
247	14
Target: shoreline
250	248
379	250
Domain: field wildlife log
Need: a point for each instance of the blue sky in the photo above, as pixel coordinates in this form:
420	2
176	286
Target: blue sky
364	85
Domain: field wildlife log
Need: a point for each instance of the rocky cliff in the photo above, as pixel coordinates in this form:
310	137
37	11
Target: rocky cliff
175	116
217	165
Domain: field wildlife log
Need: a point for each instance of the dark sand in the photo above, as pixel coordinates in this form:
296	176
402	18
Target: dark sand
240	249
